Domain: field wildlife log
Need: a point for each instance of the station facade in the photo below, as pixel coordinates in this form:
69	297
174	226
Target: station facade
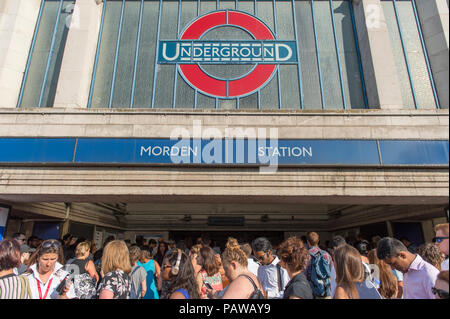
170	118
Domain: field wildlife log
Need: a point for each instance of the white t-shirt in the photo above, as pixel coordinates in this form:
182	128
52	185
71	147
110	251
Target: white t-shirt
253	266
54	280
444	265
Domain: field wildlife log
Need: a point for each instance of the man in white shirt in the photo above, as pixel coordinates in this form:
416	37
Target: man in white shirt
252	266
272	276
442	242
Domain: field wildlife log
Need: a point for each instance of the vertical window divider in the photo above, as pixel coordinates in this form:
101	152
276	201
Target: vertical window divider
30	54
337	54
425	53
361	72
317	55
99	41
255	8
50	54
217	8
196	91
299	69
155	71
111	96
278	66
175	81
136	57
405	54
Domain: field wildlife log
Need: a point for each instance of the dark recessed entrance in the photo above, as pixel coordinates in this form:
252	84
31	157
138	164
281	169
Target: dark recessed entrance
220	238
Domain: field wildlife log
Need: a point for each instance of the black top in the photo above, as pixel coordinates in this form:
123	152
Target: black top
81	263
298	286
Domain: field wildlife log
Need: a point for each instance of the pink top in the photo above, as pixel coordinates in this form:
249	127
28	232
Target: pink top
215	282
419	280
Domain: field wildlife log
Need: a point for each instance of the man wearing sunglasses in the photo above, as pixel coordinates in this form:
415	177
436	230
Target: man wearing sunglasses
272	276
441	241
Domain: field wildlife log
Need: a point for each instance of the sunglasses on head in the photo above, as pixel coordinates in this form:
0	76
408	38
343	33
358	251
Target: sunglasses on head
441	293
51	243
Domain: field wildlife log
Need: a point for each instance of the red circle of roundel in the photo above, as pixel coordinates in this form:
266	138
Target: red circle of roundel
222	88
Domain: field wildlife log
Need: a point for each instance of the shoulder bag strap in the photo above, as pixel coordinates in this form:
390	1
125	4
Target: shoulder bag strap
253	283
280	283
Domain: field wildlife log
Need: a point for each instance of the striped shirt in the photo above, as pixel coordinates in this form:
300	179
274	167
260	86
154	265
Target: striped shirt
14	287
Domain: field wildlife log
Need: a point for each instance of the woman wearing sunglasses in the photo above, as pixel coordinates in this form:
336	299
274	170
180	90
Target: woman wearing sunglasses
47	278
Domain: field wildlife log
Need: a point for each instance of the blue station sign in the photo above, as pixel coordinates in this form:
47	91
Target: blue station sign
230	152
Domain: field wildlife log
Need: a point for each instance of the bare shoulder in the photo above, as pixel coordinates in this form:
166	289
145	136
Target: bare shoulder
177	295
340	293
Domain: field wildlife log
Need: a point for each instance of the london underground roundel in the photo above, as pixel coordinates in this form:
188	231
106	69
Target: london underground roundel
189	52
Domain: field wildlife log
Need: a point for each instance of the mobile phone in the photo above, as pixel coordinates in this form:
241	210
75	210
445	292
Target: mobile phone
62	285
208	285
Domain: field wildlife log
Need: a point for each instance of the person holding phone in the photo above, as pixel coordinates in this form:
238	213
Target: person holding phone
47	277
209	273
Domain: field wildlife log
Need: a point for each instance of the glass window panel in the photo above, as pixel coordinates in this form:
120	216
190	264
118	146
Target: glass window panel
207	6
146	60
328	57
285	26
416	58
265	12
166	73
249	102
185	96
247	6
40	55
105	68
269	95
205	102
127	53
308	57
227	4
402	72
349	58
227	104
290	96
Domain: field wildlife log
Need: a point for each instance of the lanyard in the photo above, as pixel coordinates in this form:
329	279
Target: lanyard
39	288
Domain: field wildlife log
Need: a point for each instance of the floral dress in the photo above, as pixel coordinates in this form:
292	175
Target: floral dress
118	282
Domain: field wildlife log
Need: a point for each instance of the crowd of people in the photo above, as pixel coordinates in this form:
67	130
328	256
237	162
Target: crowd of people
298	268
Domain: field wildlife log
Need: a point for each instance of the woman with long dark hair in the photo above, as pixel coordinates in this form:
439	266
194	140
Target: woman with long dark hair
209	273
177	268
350	275
161	252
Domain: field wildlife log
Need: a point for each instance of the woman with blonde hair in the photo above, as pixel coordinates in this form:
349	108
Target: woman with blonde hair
116	267
83	269
243	283
350	275
387	281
